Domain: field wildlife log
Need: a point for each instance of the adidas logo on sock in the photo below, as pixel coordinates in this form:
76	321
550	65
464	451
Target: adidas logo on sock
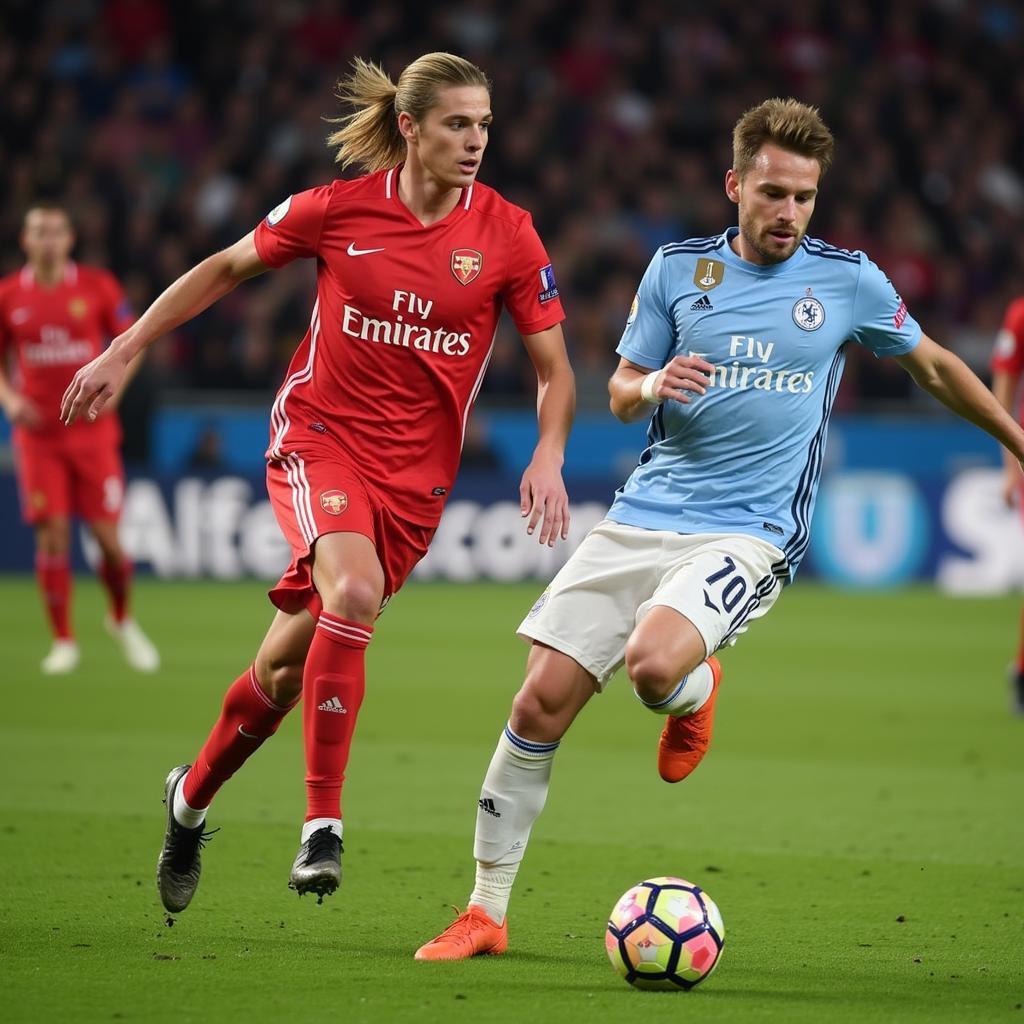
333	704
487	805
703	304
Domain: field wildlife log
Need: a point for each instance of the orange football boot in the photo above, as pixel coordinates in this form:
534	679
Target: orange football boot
470	934
684	740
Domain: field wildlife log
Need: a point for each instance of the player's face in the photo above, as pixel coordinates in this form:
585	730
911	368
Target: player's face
47	237
776	199
450	140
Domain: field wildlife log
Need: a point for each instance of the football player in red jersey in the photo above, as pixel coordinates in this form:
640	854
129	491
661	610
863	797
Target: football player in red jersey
1007	367
415	261
55	315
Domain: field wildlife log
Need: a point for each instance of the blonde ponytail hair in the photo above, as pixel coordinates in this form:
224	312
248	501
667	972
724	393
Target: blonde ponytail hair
369	136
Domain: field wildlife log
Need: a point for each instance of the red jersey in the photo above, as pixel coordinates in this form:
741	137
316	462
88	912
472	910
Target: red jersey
1008	356
402	328
55	330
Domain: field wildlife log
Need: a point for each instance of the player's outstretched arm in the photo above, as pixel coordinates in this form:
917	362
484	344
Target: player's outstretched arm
1005	386
542	495
950	380
95	383
635	389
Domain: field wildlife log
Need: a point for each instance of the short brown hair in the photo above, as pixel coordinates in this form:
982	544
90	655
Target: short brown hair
788	124
369	136
47	206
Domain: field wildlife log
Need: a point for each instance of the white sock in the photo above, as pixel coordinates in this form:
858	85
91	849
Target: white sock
187	817
514	790
689	696
309	827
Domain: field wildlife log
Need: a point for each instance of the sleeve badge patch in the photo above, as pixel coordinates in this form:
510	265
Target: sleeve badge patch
548	288
279	211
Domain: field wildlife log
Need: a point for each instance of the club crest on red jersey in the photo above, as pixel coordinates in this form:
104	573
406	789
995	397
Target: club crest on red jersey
334	502
466	264
78	307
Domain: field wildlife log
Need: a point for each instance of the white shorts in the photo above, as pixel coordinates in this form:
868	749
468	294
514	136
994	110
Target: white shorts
719	581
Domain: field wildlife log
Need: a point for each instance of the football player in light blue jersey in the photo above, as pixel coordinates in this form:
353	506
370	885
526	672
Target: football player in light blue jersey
734	349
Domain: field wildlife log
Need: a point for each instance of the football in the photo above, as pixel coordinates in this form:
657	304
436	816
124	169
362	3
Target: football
665	933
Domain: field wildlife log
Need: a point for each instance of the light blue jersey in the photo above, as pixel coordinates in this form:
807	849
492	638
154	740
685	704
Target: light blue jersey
745	457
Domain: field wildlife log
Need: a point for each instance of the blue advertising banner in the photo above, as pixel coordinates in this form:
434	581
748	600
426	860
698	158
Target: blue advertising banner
899	501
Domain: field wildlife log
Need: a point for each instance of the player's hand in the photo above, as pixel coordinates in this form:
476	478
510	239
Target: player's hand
93	386
21	411
684	377
543	498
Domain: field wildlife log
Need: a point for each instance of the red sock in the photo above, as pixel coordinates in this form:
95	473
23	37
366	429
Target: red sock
117	579
1020	649
247	718
54	575
332	688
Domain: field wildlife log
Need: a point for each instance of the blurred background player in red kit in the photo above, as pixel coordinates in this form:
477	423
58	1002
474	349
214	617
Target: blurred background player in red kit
56	315
1007	366
415	261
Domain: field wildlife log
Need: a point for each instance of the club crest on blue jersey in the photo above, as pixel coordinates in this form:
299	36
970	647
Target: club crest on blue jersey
808	313
278	212
708	274
466	264
548	288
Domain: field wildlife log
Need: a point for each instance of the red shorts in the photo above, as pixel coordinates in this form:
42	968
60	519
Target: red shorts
319	492
57	480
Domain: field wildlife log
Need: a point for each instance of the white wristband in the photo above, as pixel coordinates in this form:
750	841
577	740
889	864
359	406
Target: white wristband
647	386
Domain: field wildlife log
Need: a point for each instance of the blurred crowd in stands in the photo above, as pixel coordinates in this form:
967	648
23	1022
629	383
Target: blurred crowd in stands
169	127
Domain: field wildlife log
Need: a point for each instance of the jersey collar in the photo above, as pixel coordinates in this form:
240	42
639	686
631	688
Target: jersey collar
391	194
27	277
769	270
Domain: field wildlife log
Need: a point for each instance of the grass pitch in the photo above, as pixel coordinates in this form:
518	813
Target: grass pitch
859	820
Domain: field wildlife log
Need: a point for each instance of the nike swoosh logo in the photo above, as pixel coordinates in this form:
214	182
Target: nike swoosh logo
247	735
353	251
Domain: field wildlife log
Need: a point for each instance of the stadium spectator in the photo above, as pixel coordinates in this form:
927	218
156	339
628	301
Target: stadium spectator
414	262
55	315
602	104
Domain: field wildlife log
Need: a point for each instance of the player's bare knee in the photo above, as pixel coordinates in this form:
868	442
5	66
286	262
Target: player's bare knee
353	597
53	537
653	674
